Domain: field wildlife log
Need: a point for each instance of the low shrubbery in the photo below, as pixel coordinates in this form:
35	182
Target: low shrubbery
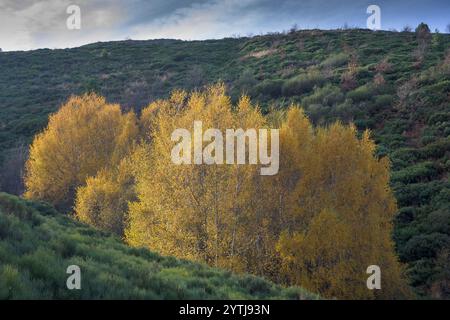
361	93
303	83
416	173
336	60
328	95
38	244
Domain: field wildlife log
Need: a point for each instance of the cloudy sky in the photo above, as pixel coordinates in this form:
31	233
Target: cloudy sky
31	24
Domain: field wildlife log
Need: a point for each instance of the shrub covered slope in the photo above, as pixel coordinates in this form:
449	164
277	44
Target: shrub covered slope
38	244
395	83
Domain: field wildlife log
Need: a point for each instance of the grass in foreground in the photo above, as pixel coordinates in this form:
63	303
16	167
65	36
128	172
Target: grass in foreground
37	244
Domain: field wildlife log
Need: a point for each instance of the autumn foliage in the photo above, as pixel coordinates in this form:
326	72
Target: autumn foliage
84	136
319	223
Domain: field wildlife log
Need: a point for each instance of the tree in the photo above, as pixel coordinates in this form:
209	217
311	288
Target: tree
319	258
246	81
200	212
348	78
406	29
278	201
196	77
341	218
378	80
103	201
319	223
422	29
84	136
423	35
348	81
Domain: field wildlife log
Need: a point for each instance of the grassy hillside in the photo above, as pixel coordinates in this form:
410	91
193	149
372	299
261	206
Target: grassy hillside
38	244
395	84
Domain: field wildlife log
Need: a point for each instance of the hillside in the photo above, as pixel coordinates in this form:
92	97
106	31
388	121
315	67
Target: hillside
38	244
395	84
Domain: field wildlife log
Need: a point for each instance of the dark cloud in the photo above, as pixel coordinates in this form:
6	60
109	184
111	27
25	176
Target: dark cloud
28	24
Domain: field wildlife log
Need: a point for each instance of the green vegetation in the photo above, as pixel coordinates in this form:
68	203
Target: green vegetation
394	83
38	244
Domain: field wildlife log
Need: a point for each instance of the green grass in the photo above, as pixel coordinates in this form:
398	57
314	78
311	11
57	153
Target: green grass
37	244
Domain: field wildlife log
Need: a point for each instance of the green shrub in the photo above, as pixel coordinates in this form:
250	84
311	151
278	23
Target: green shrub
317	112
416	194
428	139
416	173
424	246
336	60
385	100
328	95
436	149
362	93
438	117
302	84
271	88
404	157
10	282
406	215
12	205
363	124
438	221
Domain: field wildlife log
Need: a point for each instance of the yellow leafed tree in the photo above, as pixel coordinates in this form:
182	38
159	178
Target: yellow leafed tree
340	216
319	223
202	212
103	201
84	136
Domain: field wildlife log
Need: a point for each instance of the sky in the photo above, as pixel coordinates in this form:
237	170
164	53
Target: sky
28	24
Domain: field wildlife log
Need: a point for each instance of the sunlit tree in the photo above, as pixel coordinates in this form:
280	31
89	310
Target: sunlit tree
103	201
84	136
341	219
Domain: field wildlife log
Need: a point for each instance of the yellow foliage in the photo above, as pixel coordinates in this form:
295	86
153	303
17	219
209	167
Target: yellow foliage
340	217
103	201
319	223
201	212
84	136
319	258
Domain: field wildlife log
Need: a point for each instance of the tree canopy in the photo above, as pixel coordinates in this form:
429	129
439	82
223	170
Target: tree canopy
319	223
